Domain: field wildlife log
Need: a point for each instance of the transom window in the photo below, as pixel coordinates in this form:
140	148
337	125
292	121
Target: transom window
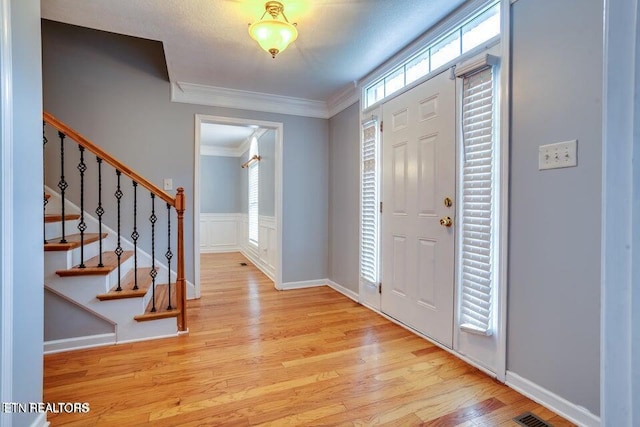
478	29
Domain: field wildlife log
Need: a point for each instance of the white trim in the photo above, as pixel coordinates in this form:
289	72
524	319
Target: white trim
344	291
572	412
77	343
343	99
620	252
279	137
191	93
302	284
6	209
502	239
40	421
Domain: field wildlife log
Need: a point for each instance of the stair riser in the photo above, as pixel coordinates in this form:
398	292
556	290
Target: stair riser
97	284
53	230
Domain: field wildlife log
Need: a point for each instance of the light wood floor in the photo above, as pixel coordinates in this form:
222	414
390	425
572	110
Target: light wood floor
255	355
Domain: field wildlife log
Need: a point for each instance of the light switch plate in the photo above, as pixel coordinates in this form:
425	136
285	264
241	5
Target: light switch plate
558	155
168	184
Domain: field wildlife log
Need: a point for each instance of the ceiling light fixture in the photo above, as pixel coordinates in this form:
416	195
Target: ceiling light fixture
273	35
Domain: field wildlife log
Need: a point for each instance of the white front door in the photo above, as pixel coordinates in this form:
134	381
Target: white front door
418	175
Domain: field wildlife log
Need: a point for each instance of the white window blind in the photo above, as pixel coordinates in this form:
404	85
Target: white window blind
253	203
477	204
369	203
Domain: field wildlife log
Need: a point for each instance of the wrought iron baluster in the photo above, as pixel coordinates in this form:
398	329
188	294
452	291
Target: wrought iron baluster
118	250
153	273
100	210
62	184
44	178
82	226
135	235
169	255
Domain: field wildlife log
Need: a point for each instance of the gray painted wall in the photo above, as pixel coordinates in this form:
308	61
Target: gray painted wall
28	264
554	254
267	172
64	319
114	90
344	197
219	184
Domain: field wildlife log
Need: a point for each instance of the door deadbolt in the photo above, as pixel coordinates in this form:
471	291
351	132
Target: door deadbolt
446	221
448	202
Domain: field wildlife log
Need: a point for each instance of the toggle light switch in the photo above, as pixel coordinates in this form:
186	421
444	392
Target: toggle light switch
558	155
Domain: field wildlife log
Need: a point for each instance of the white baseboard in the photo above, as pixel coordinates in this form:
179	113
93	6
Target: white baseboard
57	346
303	284
220	250
572	412
344	291
40	421
255	260
158	337
320	282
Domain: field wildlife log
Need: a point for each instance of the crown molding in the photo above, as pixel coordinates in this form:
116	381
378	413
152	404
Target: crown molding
191	93
343	99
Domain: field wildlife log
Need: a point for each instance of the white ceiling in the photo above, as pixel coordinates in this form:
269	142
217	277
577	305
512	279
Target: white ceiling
226	136
206	41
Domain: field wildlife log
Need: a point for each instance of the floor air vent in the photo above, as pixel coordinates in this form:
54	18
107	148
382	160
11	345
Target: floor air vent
529	420
243	264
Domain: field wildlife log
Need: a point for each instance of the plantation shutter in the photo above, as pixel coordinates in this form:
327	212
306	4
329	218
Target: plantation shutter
369	203
253	203
477	204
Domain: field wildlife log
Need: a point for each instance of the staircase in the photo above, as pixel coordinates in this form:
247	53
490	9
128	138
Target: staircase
111	271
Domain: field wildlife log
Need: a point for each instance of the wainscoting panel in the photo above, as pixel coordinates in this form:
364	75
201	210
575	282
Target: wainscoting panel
228	233
219	232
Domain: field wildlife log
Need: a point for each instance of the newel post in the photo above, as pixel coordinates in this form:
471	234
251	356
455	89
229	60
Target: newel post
181	290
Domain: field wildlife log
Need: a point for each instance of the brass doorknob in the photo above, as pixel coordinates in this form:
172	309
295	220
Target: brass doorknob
446	221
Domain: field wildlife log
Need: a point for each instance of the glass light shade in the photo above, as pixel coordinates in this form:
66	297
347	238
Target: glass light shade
272	35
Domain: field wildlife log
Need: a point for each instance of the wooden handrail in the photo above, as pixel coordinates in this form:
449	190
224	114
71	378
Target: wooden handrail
117	164
178	203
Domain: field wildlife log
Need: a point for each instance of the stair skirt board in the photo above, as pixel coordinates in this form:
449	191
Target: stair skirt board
77	304
144	258
93	341
77	343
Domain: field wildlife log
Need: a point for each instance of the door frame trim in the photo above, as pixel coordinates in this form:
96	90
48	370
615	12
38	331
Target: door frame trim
235	121
503	215
620	275
6	210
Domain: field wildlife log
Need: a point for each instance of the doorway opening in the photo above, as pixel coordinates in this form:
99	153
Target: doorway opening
238	191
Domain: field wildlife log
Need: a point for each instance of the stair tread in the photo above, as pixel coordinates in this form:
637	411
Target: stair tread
109	261
58	217
73	241
162	312
144	281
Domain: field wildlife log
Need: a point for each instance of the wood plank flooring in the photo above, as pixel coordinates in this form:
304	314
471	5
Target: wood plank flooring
257	356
